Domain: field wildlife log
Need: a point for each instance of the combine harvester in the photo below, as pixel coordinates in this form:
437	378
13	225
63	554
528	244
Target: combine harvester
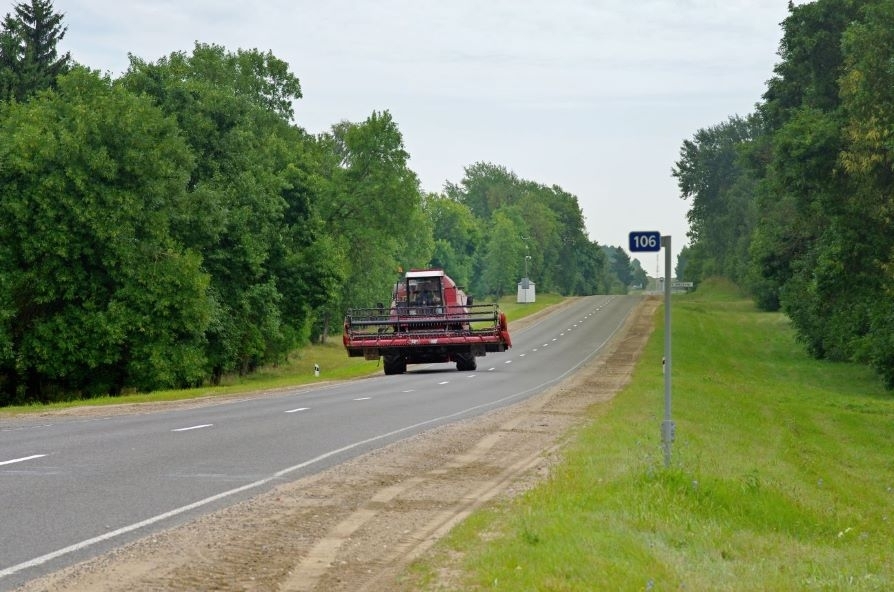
431	320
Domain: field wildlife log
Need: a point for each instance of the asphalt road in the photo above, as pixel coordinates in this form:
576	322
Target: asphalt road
73	488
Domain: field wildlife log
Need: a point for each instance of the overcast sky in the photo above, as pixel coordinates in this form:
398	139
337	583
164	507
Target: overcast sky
593	96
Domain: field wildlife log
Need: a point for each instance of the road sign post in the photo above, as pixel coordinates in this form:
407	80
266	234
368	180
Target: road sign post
667	426
652	242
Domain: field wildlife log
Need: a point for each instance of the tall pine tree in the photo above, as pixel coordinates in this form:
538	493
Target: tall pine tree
29	60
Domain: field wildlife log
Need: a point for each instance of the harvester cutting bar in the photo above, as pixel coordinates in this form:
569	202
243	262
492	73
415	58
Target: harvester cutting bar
415	318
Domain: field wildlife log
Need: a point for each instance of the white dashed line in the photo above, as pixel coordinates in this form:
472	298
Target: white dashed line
444	382
23	459
297	410
195	427
363	398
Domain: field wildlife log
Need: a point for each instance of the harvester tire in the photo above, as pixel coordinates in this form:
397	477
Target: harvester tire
394	365
466	362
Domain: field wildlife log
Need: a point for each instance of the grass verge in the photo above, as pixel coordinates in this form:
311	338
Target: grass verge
782	476
298	370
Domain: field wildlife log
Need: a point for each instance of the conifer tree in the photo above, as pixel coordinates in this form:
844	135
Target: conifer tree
29	59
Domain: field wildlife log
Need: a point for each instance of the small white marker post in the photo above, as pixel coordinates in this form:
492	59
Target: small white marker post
652	241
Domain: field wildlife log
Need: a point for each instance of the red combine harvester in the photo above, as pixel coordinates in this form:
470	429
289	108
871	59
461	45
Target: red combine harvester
430	320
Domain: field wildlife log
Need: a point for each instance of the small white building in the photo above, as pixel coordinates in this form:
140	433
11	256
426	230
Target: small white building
526	291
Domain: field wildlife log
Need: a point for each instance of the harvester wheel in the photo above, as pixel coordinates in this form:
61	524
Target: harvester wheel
394	365
466	362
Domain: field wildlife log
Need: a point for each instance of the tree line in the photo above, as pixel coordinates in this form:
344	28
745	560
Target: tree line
173	225
795	201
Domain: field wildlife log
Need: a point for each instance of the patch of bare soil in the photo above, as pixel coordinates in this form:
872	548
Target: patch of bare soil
357	526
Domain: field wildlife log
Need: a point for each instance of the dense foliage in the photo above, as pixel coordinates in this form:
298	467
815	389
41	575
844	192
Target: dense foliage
175	224
796	201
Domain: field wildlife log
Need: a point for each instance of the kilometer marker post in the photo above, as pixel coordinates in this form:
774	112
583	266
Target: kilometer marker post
652	242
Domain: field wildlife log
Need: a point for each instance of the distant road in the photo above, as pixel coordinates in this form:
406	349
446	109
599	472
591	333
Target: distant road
73	487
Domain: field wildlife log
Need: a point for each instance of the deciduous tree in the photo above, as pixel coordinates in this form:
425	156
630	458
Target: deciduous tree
98	294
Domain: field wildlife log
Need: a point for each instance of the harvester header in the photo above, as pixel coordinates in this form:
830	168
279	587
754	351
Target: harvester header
430	320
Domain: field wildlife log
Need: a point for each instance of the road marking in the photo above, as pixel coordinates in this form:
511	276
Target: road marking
13	569
491	369
408	391
297	410
523	355
195	427
508	362
471	376
23	459
363	398
444	382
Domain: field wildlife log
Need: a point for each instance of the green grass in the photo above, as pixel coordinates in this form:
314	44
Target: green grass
782	476
298	370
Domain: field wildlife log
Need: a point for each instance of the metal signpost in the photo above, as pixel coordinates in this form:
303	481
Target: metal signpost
652	242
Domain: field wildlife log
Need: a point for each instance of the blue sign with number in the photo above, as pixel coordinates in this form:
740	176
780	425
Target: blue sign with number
645	242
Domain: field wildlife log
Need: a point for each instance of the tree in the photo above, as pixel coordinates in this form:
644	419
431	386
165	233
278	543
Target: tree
711	173
29	59
618	272
796	245
590	265
97	293
504	256
234	111
572	245
485	188
555	232
868	102
809	185
458	237
639	277
373	206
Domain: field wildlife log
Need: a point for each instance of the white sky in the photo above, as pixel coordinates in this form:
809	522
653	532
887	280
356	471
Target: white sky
593	96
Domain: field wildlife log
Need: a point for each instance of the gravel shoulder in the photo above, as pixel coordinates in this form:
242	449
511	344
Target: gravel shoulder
357	526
